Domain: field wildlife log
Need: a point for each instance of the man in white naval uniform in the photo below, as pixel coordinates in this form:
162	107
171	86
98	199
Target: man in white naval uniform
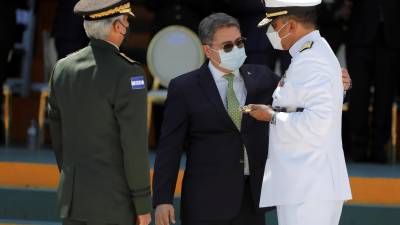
305	174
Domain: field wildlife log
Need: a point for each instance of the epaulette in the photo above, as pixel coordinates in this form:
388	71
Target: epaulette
128	59
72	53
307	45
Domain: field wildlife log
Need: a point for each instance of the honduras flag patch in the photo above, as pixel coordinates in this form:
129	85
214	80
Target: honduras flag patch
137	82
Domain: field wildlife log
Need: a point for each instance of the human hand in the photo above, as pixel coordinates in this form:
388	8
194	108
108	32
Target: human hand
144	219
261	112
347	84
165	214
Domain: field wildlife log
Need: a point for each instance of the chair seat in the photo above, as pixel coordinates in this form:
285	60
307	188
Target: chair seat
157	96
40	87
15	86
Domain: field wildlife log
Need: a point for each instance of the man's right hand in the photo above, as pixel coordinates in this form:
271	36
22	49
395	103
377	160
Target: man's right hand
165	214
144	219
261	112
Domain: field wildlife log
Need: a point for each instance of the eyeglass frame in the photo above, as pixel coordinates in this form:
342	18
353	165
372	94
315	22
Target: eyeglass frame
232	45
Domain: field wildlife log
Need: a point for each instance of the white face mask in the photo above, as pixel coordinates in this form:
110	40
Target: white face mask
232	60
274	38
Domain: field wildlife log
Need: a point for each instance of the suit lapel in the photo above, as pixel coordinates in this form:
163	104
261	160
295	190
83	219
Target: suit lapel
210	89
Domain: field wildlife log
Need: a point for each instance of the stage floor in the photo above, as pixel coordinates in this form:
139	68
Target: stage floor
29	179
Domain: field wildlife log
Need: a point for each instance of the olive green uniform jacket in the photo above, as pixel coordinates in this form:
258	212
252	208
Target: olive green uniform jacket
97	112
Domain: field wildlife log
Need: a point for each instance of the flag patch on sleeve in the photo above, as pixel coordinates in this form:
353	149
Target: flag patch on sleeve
137	82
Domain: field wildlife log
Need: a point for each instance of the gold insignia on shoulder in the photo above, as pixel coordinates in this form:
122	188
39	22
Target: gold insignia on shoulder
127	58
307	45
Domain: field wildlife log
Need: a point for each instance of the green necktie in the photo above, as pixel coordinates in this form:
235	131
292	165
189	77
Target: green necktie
232	102
233	106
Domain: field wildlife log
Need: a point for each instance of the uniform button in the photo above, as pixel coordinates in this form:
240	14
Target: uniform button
241	161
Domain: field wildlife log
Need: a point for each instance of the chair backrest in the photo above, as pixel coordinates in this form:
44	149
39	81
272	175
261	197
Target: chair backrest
28	19
173	51
49	55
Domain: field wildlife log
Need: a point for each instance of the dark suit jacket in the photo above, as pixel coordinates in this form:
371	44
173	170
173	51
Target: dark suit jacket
99	133
195	121
366	18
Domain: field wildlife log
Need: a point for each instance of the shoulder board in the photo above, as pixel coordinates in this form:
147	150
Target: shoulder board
128	59
307	45
73	52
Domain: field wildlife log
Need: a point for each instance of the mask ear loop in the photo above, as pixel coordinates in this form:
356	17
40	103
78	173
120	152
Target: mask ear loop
287	35
126	27
209	47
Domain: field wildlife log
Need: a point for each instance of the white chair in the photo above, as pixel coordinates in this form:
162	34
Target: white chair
173	51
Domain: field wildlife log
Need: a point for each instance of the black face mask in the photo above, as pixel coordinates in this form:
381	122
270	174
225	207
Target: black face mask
126	35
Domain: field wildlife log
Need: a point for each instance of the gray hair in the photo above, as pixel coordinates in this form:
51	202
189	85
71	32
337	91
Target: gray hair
209	25
100	29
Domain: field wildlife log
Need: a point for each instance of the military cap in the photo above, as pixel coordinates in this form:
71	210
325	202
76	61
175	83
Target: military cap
102	9
277	8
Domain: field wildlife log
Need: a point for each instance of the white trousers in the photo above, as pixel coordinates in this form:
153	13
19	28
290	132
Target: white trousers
310	213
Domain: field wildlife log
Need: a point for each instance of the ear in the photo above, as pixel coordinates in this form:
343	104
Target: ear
115	26
119	27
292	25
206	51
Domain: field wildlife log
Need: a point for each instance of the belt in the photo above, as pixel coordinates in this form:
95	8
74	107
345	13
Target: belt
287	109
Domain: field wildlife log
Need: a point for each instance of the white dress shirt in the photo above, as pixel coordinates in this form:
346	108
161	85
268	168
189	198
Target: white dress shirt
240	92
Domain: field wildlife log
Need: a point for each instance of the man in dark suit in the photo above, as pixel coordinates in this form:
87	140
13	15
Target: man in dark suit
97	112
372	57
225	151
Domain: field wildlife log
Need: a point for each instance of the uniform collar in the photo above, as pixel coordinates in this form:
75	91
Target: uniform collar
219	75
295	49
109	42
103	44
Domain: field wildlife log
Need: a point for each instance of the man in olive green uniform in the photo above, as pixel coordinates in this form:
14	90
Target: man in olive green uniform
97	112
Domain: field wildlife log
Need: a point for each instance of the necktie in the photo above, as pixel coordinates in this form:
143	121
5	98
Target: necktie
233	106
232	102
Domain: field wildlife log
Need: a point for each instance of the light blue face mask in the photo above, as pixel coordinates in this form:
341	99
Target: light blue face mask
232	60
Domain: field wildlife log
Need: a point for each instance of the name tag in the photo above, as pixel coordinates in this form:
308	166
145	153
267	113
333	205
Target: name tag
137	83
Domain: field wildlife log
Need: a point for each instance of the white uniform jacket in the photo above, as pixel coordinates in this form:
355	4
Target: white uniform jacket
306	161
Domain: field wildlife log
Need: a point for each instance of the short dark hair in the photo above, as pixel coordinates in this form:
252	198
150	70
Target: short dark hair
209	25
307	18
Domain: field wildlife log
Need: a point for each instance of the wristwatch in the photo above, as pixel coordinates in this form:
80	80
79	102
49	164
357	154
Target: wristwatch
273	119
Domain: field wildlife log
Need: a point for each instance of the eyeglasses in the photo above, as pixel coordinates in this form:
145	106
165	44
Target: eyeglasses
228	47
